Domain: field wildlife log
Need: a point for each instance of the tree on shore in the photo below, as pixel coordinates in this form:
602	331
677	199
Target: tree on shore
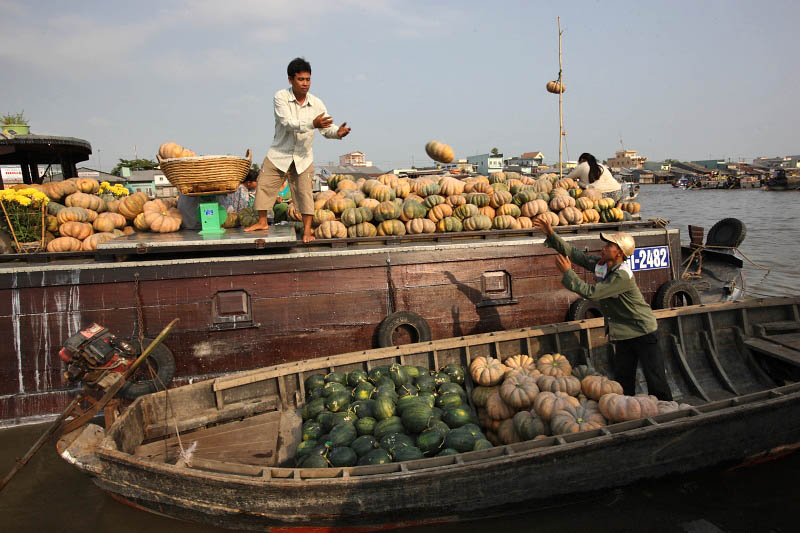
134	164
495	151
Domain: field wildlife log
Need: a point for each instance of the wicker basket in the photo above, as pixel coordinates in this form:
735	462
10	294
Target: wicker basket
208	174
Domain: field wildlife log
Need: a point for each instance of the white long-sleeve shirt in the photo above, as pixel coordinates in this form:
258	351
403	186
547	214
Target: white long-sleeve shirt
294	130
605	183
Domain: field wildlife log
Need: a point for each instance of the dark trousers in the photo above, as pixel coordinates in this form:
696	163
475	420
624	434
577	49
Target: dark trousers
646	350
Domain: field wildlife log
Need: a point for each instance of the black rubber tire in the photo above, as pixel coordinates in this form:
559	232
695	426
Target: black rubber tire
676	288
163	363
402	318
727	232
581	309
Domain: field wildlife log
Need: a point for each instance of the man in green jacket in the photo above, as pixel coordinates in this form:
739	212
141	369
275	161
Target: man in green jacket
631	323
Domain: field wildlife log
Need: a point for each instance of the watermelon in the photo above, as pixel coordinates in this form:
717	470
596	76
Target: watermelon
336	377
343	434
377	456
430	441
363	391
355	377
315	461
429	398
474	429
313	394
313	408
459	439
424	371
384	408
446	388
378	372
440	378
394	441
344	416
447	451
344	456
386	390
456	417
363	445
281	212
439	426
315	382
417	417
456	373
326	419
411	371
337	401
398	374
407	389
437	413
393	424
407	453
312	430
425	383
333	387
304	448
366	425
407	401
449	400
363	408
385	381
481	444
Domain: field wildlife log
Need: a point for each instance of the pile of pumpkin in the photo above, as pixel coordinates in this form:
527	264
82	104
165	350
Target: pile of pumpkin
391	205
523	398
80	217
391	414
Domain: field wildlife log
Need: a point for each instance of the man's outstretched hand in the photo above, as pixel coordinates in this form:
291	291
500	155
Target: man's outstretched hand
543	225
343	130
563	263
322	122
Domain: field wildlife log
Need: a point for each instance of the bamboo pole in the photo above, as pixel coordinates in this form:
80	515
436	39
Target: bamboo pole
560	105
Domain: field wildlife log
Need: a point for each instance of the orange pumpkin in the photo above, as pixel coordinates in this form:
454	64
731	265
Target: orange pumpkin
619	408
165	221
439	152
72	214
551	217
591	216
168	150
573	419
595	387
128	230
555	87
79	230
569	384
391	227
519	391
554	364
520	361
420	225
139	223
87	185
57	190
91	242
497	408
64	244
331	229
108	222
570	216
546	404
507	433
132	205
322	215
487	371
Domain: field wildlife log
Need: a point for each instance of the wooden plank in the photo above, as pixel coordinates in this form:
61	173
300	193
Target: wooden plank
789	340
716	365
686	371
773	350
211	416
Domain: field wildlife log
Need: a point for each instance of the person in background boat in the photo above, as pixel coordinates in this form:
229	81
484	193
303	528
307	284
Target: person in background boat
188	205
630	321
244	195
298	114
592	175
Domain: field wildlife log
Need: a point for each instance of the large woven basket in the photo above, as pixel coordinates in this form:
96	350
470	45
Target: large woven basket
208	174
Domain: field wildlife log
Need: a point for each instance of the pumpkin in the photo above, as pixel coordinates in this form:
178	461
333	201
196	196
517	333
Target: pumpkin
505	222
450	186
64	244
496	408
439	212
112	206
498	187
386	211
449	225
573	419
594	387
533	208
87	185
591	216
519	361
433	200
54	207
420	225
529	425
508	209
604	203
362	229
169	150
551	217
108	222
480	395
569	384
336	179
669	407
439	152
72	214
338	205
428	189
506	432
412	209
524	222
519	391
231	220
391	227
592	194
128	230
554	364
487	371
455	200
356	215
570	216
584	203
322	215
558	191
555	87
58	190
346	185
91	242
619	408
402	189
50	223
382	193
561	201
478	198
139	223
247	217
132	205
527	370
497	177
630	207
477	223
465	211
523	197
542	185
500	198
581	371
369	203
92	216
355	195
566	183
483	187
331	229
546	404
162	220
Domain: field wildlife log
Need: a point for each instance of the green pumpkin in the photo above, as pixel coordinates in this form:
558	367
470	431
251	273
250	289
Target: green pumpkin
478	198
433	200
449	224
333	181
465	211
478	223
356	215
247	217
280	212
429	189
524	196
413	209
391	227
382	193
386	211
365	229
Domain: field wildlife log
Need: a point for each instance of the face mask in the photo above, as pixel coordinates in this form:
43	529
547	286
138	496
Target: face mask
600	271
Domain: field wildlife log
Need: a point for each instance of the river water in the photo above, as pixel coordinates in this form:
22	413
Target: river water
50	495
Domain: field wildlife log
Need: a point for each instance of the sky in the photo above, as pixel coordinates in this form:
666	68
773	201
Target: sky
675	79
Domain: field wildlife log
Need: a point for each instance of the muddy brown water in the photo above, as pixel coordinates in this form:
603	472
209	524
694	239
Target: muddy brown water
50	495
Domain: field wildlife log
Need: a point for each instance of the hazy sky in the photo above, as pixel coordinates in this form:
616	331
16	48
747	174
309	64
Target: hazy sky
680	79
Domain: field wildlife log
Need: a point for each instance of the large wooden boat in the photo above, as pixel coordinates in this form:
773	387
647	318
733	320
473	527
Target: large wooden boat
736	364
248	300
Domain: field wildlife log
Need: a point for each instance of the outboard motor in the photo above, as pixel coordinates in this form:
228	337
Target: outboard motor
96	356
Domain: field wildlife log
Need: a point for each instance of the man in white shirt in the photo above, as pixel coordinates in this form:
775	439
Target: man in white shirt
297	114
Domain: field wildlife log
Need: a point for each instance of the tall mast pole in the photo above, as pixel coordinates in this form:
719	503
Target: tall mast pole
560	105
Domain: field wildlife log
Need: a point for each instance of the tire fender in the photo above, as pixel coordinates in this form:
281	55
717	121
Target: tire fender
581	309
727	232
163	363
675	287
402	318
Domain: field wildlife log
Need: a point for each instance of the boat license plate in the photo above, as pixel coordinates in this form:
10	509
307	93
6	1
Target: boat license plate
649	258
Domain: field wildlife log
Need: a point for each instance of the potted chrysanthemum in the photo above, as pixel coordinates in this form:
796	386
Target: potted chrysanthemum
23	215
15	123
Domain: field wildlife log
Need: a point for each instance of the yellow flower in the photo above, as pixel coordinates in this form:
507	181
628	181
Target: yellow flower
23	200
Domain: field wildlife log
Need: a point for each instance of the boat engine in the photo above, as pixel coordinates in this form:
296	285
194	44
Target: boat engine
96	356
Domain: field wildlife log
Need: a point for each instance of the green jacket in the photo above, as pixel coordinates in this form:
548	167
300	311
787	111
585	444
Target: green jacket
626	312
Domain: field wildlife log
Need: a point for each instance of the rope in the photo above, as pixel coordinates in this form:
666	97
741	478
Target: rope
697	255
139	317
184	454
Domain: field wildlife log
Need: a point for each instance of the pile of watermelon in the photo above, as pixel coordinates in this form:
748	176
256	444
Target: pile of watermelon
390	414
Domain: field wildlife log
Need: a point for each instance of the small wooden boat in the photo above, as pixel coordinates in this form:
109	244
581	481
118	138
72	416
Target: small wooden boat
736	364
